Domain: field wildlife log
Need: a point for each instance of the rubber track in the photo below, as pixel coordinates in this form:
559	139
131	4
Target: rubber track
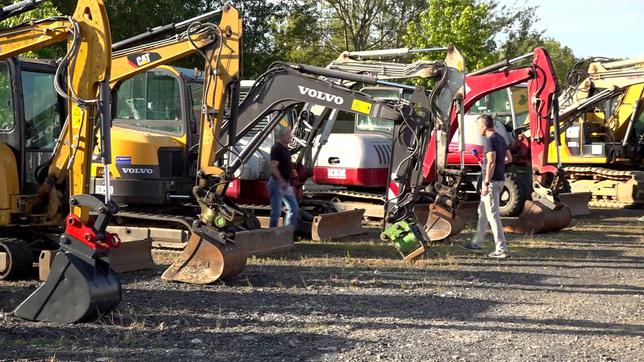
347	193
175	219
601	173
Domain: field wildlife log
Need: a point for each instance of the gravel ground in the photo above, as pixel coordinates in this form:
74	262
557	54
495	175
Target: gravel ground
573	295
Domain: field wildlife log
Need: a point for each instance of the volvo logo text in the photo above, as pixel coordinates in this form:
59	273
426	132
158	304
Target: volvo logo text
313	93
138	171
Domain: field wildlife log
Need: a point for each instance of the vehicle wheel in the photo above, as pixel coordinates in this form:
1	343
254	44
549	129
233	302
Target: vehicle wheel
513	196
18	259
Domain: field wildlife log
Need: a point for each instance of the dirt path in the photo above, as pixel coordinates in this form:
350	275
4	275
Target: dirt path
574	295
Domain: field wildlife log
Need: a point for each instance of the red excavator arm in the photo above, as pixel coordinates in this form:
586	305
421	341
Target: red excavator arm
542	93
542	89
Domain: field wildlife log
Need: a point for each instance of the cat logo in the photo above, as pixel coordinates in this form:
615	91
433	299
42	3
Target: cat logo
141	59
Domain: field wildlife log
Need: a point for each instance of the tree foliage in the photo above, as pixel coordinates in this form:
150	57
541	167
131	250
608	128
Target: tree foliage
366	24
316	32
45	10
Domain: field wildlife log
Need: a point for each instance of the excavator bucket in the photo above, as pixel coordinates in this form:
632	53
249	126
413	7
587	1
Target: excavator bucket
81	285
76	290
334	225
135	252
439	223
577	202
206	259
537	218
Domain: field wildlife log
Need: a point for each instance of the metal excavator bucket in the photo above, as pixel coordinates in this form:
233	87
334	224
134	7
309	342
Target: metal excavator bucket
211	255
542	214
439	223
81	286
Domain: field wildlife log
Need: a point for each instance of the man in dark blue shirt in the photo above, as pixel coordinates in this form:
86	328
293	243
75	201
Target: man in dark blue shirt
279	186
496	155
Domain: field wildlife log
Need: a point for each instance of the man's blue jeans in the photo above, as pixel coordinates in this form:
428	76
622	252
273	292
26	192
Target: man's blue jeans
278	197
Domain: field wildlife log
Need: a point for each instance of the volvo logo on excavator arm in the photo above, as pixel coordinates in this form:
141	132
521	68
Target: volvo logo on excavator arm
323	96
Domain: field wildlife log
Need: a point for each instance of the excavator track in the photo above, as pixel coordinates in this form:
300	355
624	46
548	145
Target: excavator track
16	258
346	193
609	188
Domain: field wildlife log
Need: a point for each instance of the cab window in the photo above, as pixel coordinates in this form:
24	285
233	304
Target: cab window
370	124
150	102
6	99
42	117
499	104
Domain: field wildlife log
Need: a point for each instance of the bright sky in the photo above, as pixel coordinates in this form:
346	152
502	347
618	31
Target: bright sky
610	28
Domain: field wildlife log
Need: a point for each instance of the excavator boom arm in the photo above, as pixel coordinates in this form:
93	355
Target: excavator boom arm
84	76
542	87
131	61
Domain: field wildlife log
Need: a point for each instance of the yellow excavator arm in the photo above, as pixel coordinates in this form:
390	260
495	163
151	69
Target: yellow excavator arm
129	62
80	286
88	64
222	68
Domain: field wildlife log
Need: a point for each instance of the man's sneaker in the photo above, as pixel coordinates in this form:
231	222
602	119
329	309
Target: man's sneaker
497	255
472	247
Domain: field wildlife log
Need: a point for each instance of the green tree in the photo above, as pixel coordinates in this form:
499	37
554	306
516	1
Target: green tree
299	37
45	10
563	58
467	24
367	24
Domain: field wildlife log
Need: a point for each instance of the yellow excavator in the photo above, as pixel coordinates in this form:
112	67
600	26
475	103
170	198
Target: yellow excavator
81	285
602	142
127	63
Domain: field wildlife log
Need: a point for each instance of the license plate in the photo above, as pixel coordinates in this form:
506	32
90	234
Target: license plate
100	189
337	173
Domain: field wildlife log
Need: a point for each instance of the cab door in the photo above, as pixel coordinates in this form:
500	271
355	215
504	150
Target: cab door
43	113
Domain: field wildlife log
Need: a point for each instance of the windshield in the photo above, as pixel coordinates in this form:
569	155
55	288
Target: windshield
369	124
151	102
499	103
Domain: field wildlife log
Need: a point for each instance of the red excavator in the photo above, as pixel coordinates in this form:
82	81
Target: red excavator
332	169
